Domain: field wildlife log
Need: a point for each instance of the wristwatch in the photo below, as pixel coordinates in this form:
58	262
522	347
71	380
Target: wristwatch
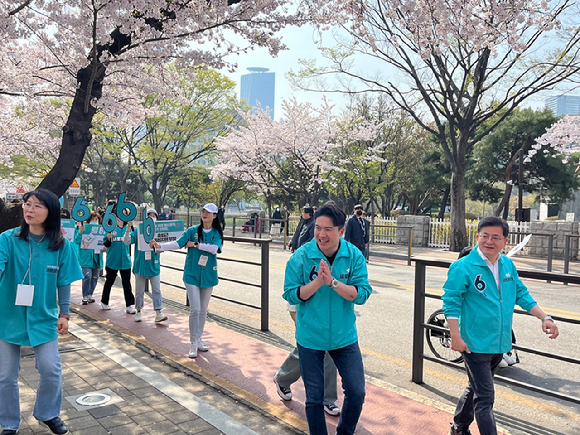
334	283
547	318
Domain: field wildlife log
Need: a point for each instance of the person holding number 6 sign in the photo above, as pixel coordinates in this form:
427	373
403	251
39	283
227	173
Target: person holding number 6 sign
118	259
200	275
37	267
146	266
91	261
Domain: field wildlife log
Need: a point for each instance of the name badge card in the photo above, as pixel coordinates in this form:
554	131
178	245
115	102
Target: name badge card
202	260
24	295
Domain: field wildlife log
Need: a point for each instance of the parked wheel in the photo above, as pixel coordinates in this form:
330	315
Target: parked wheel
440	342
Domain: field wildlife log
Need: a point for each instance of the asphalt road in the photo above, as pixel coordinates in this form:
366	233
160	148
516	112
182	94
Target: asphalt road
385	334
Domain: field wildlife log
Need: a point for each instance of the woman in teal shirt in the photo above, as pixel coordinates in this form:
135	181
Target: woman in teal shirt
37	266
203	241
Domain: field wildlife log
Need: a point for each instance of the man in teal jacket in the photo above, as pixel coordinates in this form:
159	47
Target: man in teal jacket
325	278
481	292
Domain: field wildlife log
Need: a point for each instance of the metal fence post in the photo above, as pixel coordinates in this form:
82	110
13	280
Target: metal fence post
566	257
410	250
234	228
265	283
550	249
418	319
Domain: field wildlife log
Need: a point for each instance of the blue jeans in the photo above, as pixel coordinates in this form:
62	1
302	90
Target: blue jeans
348	361
49	393
479	395
90	278
155	291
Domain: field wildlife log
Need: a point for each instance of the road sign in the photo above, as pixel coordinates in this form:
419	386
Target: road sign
75	187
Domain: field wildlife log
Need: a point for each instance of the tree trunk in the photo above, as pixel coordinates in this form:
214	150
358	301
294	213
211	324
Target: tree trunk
503	206
458	230
76	135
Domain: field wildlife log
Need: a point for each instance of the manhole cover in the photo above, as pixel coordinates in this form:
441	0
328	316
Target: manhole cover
93	399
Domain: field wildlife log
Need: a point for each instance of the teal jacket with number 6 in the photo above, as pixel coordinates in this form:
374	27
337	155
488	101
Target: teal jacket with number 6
485	311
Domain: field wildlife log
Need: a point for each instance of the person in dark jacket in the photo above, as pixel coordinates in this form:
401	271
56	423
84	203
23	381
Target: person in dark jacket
221	216
358	230
305	230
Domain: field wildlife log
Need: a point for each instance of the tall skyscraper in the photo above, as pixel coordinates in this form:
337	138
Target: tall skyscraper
564	105
258	87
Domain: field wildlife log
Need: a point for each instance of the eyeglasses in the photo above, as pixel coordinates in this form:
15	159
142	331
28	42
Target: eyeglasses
35	207
494	239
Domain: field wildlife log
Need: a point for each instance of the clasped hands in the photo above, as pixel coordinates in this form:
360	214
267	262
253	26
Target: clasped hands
324	275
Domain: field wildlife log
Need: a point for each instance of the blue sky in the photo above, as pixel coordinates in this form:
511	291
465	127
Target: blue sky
300	42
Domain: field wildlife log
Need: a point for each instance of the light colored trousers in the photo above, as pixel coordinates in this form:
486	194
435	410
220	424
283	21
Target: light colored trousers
49	393
140	282
198	302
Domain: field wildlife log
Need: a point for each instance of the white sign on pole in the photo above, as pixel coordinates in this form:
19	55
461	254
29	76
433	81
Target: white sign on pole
75	187
570	217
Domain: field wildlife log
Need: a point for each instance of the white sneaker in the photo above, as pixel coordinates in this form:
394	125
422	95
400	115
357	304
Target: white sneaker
105	306
201	346
503	364
510	360
160	317
193	350
130	310
138	316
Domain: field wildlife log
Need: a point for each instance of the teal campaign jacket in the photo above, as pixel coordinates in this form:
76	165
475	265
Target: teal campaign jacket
118	254
87	257
141	266
326	321
193	273
485	312
34	325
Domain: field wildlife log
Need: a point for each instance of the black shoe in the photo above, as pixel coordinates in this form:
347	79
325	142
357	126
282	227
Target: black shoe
56	425
9	432
85	301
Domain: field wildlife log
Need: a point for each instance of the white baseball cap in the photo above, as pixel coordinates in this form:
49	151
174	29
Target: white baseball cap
211	207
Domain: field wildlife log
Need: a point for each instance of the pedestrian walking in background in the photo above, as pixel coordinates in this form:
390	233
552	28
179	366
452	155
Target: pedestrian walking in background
203	243
481	292
221	214
305	229
146	267
358	230
326	278
118	260
37	267
91	261
275	224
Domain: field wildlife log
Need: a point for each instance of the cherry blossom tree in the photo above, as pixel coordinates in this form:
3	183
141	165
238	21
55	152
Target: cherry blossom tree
104	55
451	65
563	137
295	154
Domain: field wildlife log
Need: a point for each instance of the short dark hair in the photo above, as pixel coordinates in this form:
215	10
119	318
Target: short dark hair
334	212
51	224
494	221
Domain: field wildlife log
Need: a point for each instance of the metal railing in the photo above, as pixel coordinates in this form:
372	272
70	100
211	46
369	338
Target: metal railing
419	326
395	230
264	285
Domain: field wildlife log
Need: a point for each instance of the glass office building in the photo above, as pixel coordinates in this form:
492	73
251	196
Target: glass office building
564	105
258	87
